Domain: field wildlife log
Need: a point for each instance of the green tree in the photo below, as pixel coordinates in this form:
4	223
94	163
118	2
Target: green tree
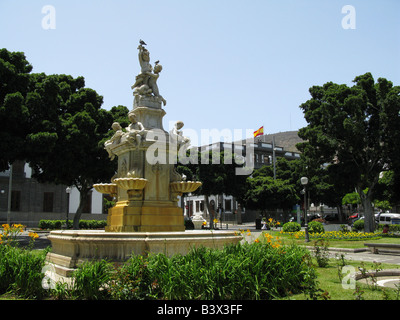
68	128
387	194
217	177
353	127
265	193
14	115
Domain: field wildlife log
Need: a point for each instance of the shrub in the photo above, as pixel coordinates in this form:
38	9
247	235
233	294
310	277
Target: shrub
91	279
244	271
21	271
291	227
358	225
392	227
315	227
321	252
83	224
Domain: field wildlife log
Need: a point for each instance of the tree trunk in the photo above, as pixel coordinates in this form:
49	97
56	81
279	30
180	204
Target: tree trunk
83	197
369	221
340	213
366	202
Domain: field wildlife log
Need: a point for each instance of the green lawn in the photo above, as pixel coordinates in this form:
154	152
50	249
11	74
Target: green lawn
286	239
331	285
328	277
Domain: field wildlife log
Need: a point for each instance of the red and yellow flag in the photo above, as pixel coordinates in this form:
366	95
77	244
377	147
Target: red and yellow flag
259	132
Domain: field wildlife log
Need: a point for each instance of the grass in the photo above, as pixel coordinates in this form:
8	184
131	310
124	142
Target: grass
329	282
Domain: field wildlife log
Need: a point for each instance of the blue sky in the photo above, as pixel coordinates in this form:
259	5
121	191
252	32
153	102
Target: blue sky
227	64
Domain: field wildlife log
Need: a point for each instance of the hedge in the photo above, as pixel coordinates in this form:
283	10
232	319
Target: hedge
83	224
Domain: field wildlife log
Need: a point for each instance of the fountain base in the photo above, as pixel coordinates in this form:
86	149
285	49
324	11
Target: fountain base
70	248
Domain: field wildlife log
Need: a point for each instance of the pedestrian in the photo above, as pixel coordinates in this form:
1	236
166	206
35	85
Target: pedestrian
385	228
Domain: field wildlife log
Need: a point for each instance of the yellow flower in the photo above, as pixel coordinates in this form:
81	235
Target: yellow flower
204	223
257	241
33	235
215	220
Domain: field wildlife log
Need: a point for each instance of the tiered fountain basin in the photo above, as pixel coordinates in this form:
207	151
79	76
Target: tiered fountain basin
107	188
181	187
70	248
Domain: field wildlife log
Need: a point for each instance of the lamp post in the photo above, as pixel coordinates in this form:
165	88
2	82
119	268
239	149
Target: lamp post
304	182
68	191
9	194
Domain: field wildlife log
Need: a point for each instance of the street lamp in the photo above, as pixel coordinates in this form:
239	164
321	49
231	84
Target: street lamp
304	182
68	191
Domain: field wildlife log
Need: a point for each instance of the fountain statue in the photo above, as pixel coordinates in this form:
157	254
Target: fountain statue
146	190
146	216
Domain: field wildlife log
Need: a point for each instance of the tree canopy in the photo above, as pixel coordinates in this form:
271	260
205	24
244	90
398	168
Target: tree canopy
14	114
56	125
217	178
265	193
354	128
65	145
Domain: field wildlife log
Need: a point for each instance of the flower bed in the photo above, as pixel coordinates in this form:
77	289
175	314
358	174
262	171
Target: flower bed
335	235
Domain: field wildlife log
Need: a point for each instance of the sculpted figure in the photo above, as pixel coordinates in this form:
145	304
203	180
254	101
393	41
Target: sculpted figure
176	134
115	139
146	82
153	82
135	130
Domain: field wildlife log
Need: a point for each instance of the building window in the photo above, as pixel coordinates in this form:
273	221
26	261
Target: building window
197	206
15	200
228	205
48	201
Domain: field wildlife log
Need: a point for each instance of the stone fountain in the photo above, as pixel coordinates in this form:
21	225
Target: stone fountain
146	217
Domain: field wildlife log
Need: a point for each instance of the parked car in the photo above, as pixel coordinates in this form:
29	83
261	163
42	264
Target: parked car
388	218
354	216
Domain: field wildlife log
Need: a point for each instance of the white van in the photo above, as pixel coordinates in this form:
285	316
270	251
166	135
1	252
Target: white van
388	218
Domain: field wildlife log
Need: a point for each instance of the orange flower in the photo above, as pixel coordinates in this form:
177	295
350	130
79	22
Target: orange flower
33	235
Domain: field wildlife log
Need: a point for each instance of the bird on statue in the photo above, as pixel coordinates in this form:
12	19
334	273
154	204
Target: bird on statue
142	42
